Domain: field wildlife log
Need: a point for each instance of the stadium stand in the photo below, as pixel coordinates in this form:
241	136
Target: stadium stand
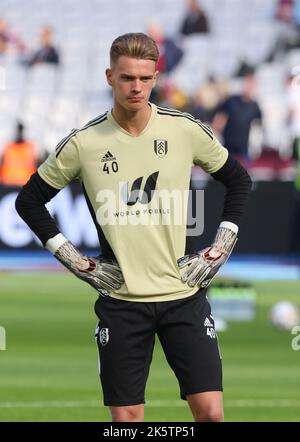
51	100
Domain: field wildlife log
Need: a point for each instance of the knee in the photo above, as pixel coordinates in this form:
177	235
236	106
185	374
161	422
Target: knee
210	415
132	413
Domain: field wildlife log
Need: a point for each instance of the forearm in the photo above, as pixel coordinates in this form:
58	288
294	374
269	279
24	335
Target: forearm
103	275
30	205
69	256
201	267
238	186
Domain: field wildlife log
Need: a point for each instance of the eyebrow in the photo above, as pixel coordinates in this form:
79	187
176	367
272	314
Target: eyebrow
133	77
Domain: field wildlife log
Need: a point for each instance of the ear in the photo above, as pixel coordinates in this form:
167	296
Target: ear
108	74
155	78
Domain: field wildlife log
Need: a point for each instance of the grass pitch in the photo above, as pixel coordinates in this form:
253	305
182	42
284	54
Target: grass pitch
49	371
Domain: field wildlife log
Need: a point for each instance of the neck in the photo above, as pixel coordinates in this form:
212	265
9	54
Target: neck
133	122
247	98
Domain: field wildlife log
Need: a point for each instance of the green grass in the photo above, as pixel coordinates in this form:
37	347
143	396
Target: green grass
51	359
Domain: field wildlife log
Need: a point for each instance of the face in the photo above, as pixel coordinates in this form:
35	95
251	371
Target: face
132	81
249	87
46	35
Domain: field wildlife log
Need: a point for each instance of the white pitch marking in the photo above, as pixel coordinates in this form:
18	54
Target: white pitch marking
238	403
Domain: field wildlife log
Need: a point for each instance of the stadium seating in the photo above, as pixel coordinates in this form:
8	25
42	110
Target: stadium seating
53	100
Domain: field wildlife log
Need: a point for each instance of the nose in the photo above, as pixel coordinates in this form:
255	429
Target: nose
136	86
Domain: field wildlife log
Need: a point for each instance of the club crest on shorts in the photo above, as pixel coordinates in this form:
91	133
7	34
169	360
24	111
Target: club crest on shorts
104	336
161	148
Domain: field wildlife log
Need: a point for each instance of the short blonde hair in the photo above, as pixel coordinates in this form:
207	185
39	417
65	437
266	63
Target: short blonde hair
134	45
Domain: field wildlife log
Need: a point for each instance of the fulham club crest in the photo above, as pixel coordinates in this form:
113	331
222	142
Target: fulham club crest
104	336
161	148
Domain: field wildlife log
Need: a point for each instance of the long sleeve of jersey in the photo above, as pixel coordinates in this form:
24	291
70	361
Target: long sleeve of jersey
238	186
30	205
61	167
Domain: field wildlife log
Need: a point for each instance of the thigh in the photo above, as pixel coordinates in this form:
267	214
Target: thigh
125	339
188	337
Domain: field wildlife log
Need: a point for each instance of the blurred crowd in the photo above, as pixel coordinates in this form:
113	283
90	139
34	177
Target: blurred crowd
253	106
232	105
11	42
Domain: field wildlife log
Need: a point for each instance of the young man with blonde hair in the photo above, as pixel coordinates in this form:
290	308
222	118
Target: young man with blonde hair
147	282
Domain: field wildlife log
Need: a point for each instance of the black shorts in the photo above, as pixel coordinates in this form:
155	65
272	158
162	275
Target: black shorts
125	337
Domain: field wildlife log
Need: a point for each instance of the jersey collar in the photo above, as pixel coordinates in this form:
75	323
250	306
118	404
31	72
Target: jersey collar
113	122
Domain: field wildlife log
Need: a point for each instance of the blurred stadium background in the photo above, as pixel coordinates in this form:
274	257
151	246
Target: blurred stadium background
48	371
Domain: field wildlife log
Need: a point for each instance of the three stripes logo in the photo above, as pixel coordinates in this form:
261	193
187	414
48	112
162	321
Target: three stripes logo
161	148
108	157
136	194
207	323
110	163
210	331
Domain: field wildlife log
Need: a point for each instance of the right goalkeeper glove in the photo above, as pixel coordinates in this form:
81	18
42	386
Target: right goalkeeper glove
102	274
202	267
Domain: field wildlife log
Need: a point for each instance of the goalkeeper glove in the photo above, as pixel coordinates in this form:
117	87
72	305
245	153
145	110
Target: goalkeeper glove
102	274
203	266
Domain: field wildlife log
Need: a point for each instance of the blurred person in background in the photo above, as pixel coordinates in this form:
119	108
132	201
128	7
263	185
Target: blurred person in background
47	52
292	101
288	35
294	240
170	52
284	11
296	13
18	161
293	122
167	93
234	117
195	20
10	41
207	98
170	55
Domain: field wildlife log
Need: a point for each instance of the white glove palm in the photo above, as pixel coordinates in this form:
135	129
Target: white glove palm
203	266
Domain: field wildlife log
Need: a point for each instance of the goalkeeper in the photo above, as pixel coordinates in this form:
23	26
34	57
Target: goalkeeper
147	282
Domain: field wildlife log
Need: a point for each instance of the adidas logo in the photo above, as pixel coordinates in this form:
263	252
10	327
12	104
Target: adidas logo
108	157
207	323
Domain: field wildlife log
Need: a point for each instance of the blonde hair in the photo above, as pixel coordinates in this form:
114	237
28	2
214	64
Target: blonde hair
134	45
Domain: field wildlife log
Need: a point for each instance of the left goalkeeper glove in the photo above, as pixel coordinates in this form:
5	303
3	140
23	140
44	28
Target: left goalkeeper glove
103	274
203	266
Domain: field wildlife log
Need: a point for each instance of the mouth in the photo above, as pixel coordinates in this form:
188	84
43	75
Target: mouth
135	99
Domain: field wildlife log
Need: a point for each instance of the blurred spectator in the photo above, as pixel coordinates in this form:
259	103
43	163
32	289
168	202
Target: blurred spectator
284	11
234	117
19	160
195	20
167	93
244	69
288	37
294	243
197	109
293	109
206	99
296	13
170	53
47	53
9	40
176	98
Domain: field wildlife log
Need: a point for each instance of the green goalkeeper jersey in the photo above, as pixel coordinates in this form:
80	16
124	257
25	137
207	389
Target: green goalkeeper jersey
136	188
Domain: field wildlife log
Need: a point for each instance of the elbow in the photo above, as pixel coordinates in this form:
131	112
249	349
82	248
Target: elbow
248	182
24	203
19	204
